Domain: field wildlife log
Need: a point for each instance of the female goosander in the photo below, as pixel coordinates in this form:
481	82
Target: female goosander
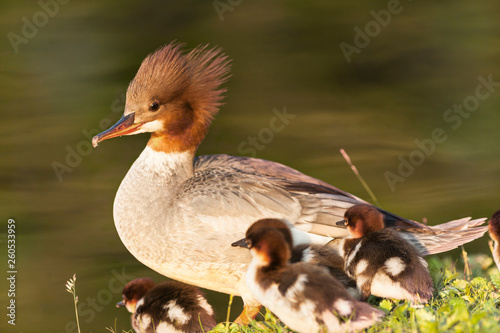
494	228
168	307
320	255
304	296
175	213
381	261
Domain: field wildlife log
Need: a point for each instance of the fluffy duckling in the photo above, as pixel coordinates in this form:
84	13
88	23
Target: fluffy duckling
329	258
322	255
494	229
169	307
380	260
304	296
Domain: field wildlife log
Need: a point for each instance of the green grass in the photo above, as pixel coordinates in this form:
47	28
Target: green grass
466	299
462	302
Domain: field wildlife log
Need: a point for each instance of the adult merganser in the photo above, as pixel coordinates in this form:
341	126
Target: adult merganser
174	213
167	307
494	228
320	255
381	261
304	296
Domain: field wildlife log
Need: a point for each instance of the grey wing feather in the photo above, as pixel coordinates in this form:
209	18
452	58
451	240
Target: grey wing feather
315	206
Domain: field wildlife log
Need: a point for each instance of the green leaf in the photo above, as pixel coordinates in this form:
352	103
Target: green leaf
386	305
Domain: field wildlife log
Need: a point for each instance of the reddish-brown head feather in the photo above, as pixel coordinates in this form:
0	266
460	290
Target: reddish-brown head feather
494	226
136	289
186	88
363	219
270	243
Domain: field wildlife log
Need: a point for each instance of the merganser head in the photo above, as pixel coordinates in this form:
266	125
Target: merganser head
174	96
134	291
494	226
361	219
269	242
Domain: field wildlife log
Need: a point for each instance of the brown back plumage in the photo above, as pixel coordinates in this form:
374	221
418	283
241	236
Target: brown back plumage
190	313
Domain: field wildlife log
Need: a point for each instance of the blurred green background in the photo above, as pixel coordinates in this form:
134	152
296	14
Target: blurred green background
66	78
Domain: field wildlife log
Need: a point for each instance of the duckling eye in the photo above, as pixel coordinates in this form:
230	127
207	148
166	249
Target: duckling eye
154	106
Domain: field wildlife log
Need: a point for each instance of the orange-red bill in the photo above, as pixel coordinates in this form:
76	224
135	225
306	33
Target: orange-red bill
123	126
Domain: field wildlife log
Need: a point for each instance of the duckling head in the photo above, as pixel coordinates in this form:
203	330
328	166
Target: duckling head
494	226
362	219
174	96
269	243
134	291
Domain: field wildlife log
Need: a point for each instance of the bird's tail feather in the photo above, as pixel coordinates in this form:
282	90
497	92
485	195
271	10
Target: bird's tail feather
446	236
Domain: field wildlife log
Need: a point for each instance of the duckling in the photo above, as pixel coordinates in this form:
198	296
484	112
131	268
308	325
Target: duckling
380	260
322	255
168	307
304	296
494	229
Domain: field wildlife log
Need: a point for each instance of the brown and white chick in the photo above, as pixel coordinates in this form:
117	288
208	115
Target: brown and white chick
304	296
168	307
321	255
380	260
494	229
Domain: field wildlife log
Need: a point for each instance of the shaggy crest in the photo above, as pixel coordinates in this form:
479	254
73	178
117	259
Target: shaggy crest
169	73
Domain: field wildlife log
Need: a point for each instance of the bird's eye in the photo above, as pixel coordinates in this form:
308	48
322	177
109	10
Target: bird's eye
154	106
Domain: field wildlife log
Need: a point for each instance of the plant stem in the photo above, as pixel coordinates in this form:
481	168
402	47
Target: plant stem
467	269
229	311
361	180
76	311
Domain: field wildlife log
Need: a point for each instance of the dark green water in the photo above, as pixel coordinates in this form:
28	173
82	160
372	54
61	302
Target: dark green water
63	78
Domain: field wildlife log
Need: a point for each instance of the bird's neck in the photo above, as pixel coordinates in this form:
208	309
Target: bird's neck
154	175
180	134
166	165
144	197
